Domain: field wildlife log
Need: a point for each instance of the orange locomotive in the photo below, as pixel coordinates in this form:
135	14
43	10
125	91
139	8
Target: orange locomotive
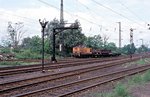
82	51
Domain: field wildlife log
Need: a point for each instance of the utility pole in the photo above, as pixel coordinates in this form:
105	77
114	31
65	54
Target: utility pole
61	45
119	34
43	25
131	42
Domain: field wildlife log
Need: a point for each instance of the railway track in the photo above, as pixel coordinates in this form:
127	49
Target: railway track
80	85
33	68
17	85
46	63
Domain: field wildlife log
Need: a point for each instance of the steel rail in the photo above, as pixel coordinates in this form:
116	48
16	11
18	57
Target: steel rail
52	66
139	69
73	72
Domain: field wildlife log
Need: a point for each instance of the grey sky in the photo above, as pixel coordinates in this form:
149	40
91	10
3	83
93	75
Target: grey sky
95	18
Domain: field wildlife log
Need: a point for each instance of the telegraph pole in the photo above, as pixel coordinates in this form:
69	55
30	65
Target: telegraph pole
119	34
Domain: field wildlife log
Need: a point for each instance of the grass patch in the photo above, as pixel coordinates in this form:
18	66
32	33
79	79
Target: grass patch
146	76
26	63
8	63
141	61
122	89
136	79
15	63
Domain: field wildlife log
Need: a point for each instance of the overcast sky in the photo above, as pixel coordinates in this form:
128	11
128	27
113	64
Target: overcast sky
95	16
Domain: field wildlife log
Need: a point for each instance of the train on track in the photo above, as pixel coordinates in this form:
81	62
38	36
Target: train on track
86	52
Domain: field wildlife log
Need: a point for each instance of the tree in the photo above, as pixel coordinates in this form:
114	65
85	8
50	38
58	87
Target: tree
126	49
105	40
111	46
129	49
142	48
94	42
15	33
70	38
34	44
132	49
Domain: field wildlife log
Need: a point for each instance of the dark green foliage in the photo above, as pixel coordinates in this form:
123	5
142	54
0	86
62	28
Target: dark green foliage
10	63
111	46
143	48
128	49
27	54
70	38
5	50
94	42
33	43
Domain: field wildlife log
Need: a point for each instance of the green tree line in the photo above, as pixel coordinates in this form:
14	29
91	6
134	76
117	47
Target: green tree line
30	47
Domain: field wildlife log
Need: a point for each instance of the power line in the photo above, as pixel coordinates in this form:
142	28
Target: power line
131	11
69	13
115	11
23	17
91	11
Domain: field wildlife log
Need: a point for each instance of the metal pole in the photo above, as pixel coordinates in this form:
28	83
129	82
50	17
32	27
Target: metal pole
119	34
43	50
53	57
43	25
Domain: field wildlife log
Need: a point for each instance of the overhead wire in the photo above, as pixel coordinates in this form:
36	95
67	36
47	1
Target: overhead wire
92	12
69	13
132	12
23	17
115	12
26	19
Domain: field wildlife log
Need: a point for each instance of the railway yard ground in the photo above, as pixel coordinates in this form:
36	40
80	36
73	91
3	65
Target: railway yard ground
91	77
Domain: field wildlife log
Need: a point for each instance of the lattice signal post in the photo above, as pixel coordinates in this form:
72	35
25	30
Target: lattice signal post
131	41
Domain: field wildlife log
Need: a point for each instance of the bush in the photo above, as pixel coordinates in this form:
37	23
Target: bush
27	54
5	50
